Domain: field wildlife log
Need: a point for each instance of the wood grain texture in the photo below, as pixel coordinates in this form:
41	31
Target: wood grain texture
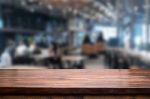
74	82
76	97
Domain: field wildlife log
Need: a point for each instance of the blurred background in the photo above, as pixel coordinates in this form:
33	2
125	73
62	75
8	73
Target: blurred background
75	34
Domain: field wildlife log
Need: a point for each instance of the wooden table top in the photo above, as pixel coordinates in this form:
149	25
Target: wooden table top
74	81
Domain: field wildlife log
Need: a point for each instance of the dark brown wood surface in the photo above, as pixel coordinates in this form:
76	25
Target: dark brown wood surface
29	82
78	97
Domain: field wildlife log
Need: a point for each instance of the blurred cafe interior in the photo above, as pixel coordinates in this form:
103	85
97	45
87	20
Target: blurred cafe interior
75	34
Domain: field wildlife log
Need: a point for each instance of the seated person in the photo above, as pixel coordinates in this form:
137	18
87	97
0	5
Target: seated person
21	50
21	54
55	56
34	49
6	59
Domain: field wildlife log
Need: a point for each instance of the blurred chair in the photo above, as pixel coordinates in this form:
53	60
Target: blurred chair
100	44
88	50
100	47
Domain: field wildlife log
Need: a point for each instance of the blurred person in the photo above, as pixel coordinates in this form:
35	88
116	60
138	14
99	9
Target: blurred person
87	48
100	38
21	55
87	40
55	56
6	59
34	49
21	49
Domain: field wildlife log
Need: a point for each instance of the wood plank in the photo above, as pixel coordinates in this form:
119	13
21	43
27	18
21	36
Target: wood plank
76	97
74	82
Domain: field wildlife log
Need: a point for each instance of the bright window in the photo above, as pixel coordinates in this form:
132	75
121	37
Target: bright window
108	32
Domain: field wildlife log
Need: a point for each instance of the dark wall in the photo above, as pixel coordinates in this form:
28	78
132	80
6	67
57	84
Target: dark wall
14	17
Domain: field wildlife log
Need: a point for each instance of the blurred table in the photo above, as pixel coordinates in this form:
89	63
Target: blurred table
73	59
69	59
44	54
